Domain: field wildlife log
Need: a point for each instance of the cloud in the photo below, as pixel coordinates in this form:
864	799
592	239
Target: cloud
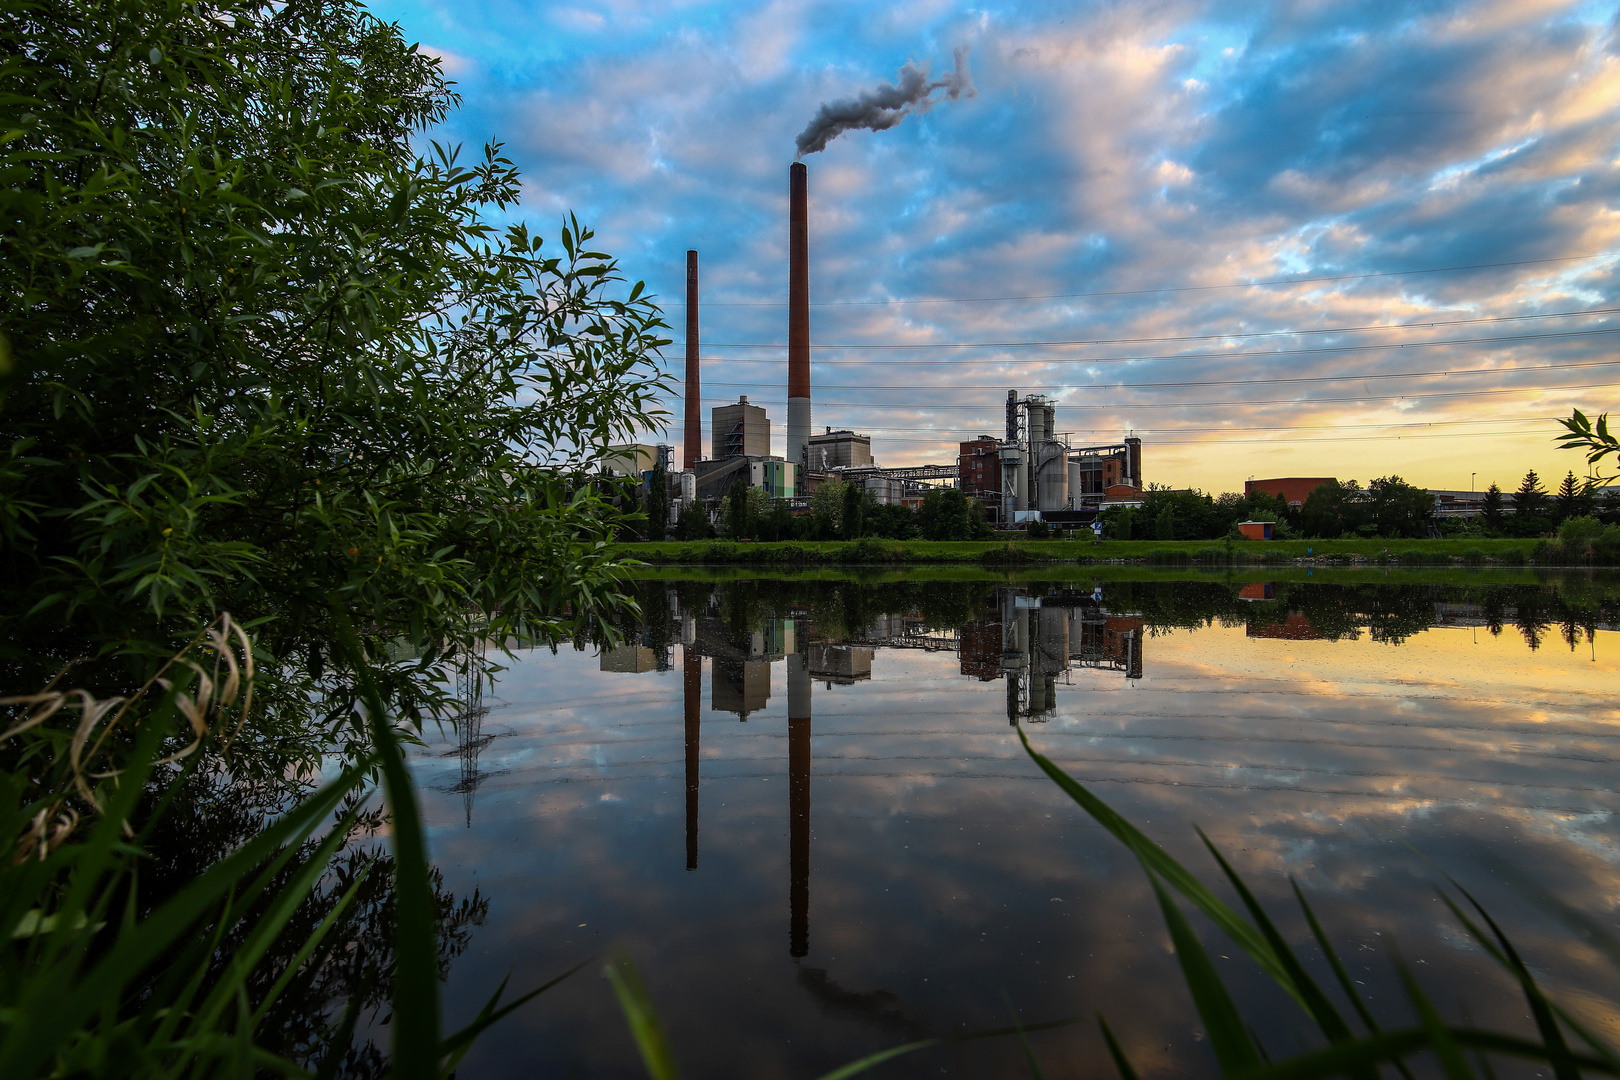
1148	155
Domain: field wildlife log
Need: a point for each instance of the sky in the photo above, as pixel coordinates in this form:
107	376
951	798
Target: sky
1271	239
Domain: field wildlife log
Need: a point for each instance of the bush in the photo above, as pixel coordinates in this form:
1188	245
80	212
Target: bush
1211	555
1473	557
1511	557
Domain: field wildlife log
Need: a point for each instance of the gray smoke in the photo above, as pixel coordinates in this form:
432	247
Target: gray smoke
886	106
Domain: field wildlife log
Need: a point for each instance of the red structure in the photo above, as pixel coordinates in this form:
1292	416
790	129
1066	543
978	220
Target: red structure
1255	530
692	443
978	468
1293	488
798	418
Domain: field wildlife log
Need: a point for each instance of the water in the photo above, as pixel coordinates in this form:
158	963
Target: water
800	807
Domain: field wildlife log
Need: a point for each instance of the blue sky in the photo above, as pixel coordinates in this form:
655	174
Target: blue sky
1126	173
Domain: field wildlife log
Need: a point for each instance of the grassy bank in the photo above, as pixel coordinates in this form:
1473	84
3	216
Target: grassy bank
1151	552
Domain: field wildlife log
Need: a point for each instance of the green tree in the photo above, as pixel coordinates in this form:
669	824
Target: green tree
1164	525
744	510
854	516
1332	509
1531	498
1398	509
1574	498
269	359
658	503
827	509
1192	515
1491	506
694	522
1118	522
948	514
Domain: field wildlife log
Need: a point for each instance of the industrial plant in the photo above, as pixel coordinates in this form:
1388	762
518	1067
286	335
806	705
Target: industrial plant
1031	473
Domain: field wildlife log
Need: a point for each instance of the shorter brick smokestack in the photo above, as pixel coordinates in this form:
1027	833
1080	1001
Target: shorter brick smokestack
692	441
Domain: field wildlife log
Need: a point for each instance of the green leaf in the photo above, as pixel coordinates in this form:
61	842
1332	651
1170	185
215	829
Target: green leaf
1228	1034
642	1018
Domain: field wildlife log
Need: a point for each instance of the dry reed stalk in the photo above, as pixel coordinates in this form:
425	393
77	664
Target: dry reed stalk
219	684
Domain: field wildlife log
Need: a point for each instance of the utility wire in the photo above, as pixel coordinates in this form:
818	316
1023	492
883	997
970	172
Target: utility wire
1063	344
1268	427
1212	404
1367	328
1203	382
1153	292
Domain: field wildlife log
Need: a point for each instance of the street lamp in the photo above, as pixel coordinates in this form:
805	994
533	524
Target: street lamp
1471	482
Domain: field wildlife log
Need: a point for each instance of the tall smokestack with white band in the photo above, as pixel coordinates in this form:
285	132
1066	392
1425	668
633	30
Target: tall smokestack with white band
798	417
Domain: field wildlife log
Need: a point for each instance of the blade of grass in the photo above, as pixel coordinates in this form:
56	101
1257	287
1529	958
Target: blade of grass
337	1047
1228	1035
1127	1071
855	1068
1340	974
1023	1039
1316	1002
1444	1046
58	1004
1159	861
456	1046
1504	953
416	982
642	1018
1404	1042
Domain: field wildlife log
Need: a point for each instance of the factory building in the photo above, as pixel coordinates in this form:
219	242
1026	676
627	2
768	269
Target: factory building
1295	489
740	430
839	450
978	469
741	442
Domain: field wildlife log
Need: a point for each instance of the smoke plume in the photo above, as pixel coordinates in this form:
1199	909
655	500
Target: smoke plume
886	106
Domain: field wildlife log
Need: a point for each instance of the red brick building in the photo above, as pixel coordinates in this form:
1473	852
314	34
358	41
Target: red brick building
1293	488
978	468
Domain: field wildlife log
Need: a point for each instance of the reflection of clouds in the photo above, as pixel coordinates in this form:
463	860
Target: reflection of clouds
936	847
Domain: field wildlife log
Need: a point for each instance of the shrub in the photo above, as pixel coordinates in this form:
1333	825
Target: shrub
1473	557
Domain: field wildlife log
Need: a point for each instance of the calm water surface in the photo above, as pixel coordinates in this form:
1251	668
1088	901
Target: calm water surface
801	808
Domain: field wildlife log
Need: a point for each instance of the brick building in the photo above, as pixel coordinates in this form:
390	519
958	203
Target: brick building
978	468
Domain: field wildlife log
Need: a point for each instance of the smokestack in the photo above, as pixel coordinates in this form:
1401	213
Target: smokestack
692	449
798	417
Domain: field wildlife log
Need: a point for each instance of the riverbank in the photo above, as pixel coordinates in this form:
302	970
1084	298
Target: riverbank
869	552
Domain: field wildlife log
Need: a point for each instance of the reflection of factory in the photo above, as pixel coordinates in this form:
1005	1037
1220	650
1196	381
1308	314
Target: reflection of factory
1034	642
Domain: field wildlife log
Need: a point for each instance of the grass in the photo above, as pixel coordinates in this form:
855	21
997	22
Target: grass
875	552
90	988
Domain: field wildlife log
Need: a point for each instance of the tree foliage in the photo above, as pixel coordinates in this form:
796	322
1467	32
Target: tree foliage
272	353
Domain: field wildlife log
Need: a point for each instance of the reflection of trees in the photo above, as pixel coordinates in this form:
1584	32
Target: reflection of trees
212	814
1390	611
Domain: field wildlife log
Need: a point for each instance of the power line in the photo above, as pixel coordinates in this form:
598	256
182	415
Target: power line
1291	441
1206	382
1369	327
1154	292
1257	427
1210	404
1063	344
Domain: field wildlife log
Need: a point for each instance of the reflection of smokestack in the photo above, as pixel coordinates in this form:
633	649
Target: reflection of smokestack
798	804
692	671
798	417
692	449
